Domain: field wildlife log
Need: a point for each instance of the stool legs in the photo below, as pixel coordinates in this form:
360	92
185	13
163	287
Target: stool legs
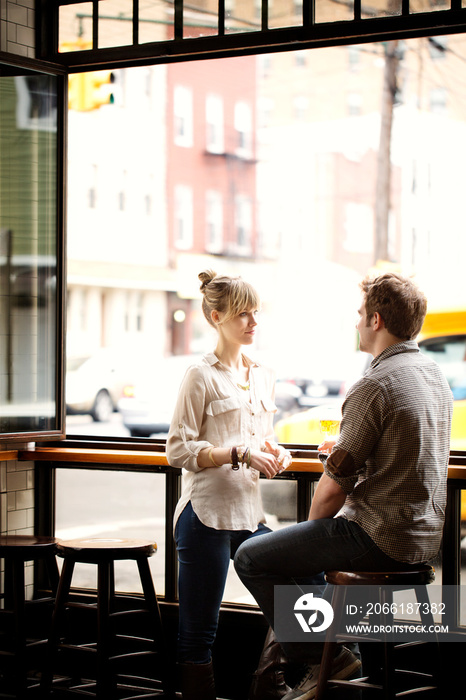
24	634
325	668
106	679
14	598
330	647
58	613
151	600
388	686
168	673
105	595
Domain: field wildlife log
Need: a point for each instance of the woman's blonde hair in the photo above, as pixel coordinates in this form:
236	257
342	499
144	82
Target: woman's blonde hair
227	295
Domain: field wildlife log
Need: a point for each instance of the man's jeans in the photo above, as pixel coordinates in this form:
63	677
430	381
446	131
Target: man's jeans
298	554
204	556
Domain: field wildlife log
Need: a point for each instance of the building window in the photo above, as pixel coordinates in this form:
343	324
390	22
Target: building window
214	221
353	103
134	312
298	8
300	108
243	223
183	217
183	116
438	100
214	124
354	58
265	109
37	107
265	65
243	128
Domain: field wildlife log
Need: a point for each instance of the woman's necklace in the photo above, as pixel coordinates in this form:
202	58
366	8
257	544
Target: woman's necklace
244	387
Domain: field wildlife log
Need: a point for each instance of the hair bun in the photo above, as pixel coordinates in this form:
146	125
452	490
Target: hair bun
206	277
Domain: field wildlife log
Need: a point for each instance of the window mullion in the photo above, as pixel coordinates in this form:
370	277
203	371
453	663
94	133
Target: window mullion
135	22
221	17
178	19
95	24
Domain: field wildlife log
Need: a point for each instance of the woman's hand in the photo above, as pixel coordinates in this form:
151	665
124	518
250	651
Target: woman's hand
283	456
266	463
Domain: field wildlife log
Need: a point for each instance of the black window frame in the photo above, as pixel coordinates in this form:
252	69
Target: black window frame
13	63
365	26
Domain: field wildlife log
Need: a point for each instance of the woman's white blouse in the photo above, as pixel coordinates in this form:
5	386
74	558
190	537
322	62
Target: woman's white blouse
212	411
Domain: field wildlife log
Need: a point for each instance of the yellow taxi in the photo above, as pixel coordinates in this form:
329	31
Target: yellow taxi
443	338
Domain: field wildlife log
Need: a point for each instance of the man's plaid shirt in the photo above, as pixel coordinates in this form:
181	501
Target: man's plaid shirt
391	457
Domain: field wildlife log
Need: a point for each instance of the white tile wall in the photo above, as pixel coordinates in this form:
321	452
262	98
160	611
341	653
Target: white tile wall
17	22
17	506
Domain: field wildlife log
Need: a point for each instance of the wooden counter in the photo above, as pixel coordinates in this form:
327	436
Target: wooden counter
8	455
147	457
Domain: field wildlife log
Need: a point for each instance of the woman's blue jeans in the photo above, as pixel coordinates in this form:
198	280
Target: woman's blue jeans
204	555
300	552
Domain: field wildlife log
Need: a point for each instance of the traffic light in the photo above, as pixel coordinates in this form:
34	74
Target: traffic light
89	91
99	89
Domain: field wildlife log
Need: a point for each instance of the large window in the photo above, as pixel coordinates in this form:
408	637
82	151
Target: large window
293	205
288	200
30	276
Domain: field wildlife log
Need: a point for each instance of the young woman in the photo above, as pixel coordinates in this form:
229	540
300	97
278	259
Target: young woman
222	435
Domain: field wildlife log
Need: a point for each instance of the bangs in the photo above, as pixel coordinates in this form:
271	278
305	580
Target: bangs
243	297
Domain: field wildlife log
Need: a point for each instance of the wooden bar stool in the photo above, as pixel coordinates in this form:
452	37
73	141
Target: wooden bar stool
21	644
107	647
384	583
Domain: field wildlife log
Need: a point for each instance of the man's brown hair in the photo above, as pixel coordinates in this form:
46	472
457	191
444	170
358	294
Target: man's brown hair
399	302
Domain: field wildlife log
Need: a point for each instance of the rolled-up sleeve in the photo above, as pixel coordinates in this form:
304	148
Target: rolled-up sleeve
183	443
361	427
339	466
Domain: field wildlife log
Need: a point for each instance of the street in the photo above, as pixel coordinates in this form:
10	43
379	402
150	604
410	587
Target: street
84	425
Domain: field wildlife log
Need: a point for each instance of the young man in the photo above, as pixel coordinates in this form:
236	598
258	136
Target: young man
380	502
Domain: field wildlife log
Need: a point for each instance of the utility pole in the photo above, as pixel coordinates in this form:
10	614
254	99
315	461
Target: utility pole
383	184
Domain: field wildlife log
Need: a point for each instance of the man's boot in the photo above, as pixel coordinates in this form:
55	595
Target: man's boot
268	681
197	681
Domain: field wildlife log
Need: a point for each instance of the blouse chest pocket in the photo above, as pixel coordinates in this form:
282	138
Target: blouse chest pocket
268	411
226	417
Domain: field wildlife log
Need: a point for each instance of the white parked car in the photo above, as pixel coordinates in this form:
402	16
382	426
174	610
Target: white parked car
147	405
95	383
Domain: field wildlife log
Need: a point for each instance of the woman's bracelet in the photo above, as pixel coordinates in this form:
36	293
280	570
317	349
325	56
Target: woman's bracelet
212	458
240	455
234	458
